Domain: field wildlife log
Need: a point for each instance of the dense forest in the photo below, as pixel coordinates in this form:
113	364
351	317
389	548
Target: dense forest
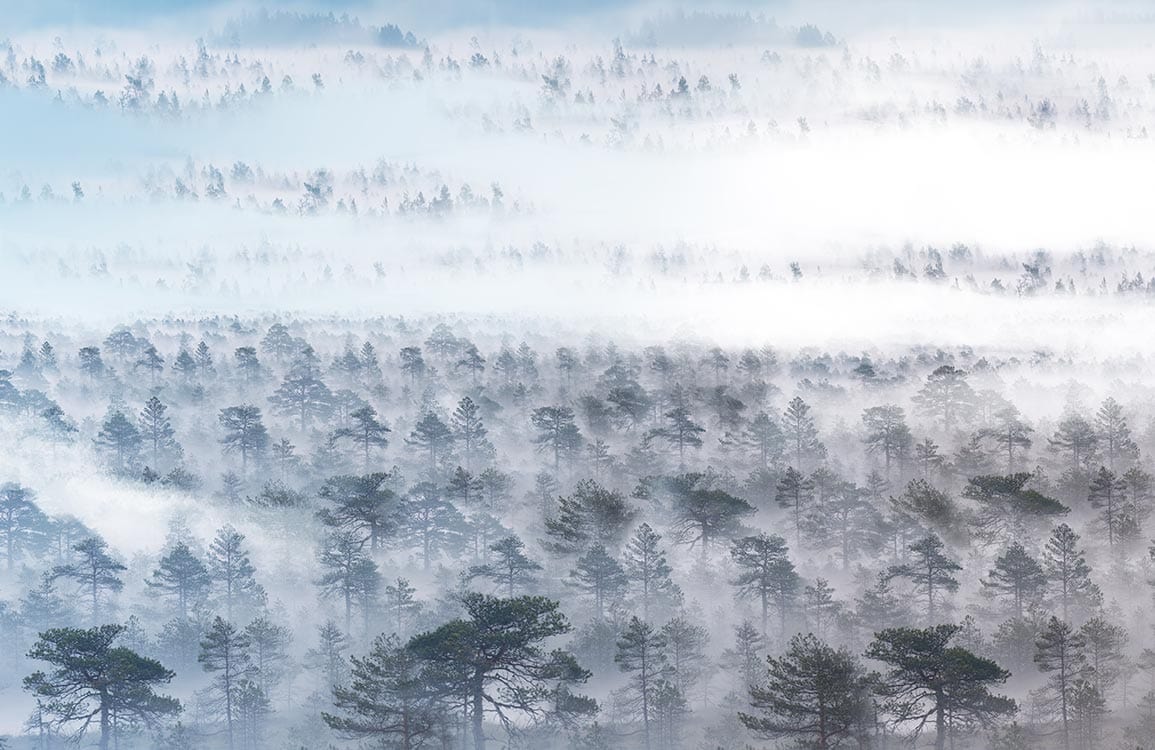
576	376
435	536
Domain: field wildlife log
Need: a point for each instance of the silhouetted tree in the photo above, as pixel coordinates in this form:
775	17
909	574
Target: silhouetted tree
813	694
887	434
1059	652
556	433
591	515
1016	575
95	572
23	526
302	393
366	432
432	437
946	396
600	577
232	572
224	654
499	642
93	679
244	433
122	440
387	700
701	514
931	572
509	568
431	522
766	575
928	678
641	655
181	575
363	505
646	569
802	435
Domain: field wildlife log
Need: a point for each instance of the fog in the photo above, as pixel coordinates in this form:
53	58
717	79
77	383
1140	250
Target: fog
726	360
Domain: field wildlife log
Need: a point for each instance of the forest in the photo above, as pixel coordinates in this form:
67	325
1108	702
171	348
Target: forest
576	376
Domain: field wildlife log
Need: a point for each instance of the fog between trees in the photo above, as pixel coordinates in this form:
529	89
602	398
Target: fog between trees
576	377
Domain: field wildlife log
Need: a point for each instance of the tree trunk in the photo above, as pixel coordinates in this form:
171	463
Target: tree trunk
939	723
105	725
478	714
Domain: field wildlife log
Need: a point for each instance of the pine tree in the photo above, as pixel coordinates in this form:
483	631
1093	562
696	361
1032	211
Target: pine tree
763	435
744	658
1114	436
820	606
472	362
328	656
499	642
204	359
887	434
511	569
801	434
931	572
464	487
185	366
349	573
469	431
946	396
302	393
401	605
1076	437
363	505
182	576
766	575
927	458
686	645
431	522
646	569
600	577
23	526
95	572
412	363
432	437
1009	508
795	493
703	515
814	694
225	654
1059	651
1016	575
158	434
928	677
269	652
591	515
1104	651
1066	567
244	433
1108	493
248	365
122	440
556	433
151	362
849	524
641	655
278	342
91	363
1010	433
232	572
386	700
95	680
366	432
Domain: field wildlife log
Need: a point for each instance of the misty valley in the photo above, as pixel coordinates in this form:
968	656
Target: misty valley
576	376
